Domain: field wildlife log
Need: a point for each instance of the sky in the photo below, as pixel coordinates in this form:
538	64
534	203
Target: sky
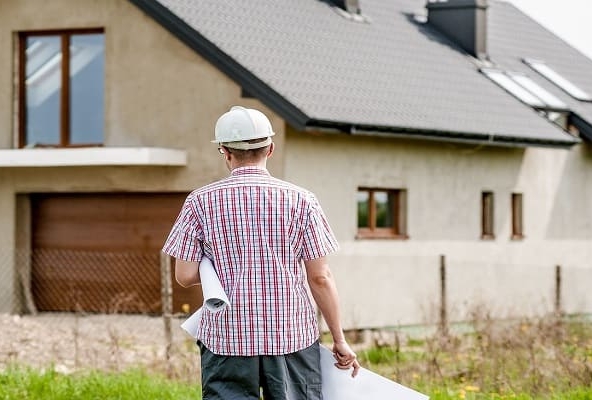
569	19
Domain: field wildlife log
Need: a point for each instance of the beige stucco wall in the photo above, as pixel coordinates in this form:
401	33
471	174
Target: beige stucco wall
391	282
158	93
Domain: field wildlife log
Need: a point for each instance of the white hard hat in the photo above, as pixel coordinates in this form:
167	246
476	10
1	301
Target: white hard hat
239	125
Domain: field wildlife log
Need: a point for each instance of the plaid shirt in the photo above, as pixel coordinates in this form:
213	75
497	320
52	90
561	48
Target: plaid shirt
257	229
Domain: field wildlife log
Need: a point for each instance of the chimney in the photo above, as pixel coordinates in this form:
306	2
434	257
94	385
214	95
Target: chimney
351	6
463	21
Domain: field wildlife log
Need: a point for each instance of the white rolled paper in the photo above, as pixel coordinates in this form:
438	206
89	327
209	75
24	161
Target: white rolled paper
339	385
215	298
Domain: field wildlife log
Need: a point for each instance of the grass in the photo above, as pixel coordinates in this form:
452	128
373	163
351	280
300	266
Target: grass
543	359
26	384
546	358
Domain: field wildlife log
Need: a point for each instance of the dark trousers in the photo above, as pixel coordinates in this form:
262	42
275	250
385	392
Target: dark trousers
295	376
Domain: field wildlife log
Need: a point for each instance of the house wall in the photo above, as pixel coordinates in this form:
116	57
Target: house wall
391	282
158	93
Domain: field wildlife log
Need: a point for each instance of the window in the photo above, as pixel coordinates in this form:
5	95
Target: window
61	88
547	98
487	215
557	79
382	213
525	89
517	229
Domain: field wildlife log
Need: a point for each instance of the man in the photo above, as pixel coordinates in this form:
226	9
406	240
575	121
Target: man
267	239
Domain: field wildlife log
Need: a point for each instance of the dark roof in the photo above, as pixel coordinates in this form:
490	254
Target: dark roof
514	36
391	75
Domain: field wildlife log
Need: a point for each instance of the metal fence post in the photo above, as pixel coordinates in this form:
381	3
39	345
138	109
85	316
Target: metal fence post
443	307
167	301
558	291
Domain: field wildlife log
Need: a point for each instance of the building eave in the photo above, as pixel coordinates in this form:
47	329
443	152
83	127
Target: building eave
492	139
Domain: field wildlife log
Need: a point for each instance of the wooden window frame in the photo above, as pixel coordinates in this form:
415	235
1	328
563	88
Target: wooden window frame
487	215
517	216
65	35
399	213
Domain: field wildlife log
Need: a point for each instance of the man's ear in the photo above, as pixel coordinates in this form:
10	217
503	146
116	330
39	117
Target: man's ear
271	149
226	153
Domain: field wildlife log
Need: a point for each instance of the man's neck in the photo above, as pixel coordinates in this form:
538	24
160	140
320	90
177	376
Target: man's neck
260	164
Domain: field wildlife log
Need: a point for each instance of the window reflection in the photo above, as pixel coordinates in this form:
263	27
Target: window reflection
43	89
86	87
363	199
384	207
49	99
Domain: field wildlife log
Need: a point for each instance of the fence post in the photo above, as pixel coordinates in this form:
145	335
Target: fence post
23	255
166	292
443	307
558	291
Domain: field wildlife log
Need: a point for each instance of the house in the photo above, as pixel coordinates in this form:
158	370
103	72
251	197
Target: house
454	131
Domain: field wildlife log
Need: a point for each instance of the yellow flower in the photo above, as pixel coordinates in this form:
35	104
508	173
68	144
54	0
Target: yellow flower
471	388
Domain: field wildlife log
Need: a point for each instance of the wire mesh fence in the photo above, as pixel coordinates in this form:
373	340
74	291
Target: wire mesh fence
57	280
75	309
88	309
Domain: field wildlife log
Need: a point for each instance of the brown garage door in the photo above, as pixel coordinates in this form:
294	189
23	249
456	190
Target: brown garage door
101	252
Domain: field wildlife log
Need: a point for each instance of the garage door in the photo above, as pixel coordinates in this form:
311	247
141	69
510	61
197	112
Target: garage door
101	252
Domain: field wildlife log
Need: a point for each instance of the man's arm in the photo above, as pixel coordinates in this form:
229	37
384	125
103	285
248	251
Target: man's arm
187	272
324	292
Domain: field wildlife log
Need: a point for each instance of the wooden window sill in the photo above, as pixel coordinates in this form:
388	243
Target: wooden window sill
374	236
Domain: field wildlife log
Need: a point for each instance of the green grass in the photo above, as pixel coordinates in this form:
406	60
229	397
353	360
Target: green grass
536	359
27	384
545	358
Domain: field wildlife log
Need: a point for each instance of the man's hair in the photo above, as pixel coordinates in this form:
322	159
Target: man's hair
251	154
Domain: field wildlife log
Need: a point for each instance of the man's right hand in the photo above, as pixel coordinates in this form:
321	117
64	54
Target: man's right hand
345	357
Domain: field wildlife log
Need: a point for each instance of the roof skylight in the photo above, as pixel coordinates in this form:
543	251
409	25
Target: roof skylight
506	82
549	99
525	89
557	79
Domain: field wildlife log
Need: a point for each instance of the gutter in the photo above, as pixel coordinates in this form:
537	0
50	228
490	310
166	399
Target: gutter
492	139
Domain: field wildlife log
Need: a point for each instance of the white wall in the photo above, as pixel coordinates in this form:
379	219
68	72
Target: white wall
389	282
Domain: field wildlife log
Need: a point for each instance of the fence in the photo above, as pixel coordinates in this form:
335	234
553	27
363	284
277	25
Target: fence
109	310
106	310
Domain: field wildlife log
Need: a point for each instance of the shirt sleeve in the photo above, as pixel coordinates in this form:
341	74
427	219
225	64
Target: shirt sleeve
319	239
184	240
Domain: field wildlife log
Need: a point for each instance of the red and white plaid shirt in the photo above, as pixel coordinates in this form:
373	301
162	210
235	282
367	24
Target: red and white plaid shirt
257	230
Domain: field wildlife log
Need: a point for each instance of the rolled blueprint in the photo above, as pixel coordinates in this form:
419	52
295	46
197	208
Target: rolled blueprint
339	385
215	298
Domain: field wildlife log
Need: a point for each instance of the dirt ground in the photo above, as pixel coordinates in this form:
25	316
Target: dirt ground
72	342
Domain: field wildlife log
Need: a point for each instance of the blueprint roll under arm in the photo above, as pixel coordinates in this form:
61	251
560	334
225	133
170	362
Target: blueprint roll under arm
215	299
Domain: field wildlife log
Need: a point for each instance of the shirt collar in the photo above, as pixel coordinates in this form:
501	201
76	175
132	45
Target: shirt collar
250	170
